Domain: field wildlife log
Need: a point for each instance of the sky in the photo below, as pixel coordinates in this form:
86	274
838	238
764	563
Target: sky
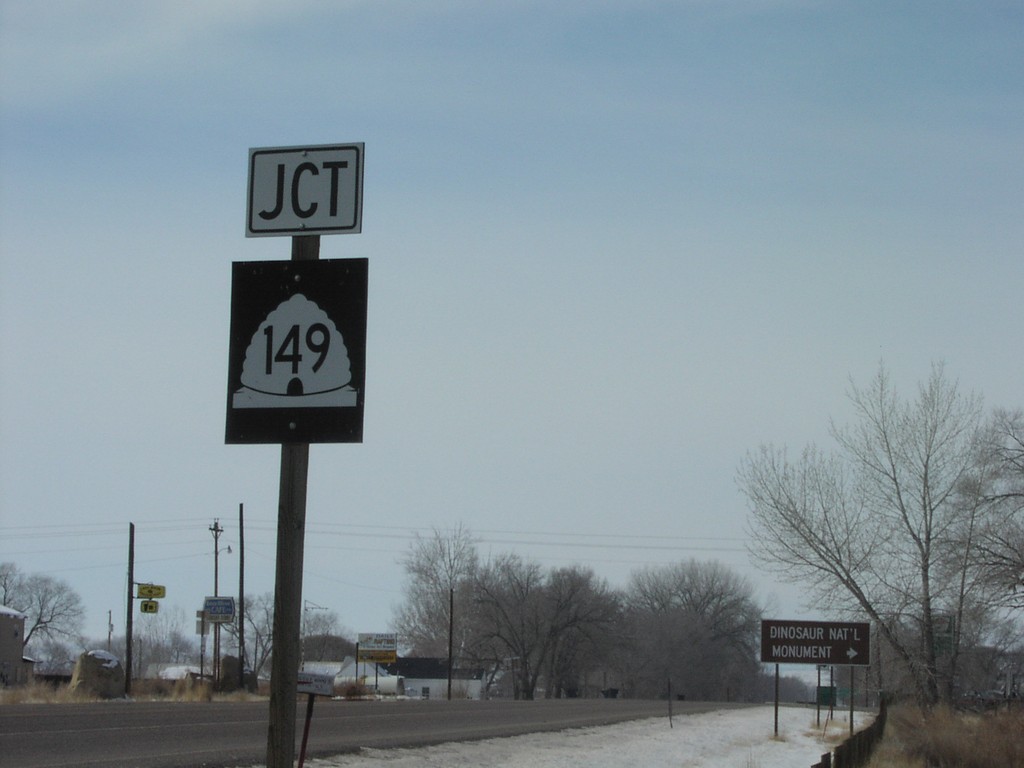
612	248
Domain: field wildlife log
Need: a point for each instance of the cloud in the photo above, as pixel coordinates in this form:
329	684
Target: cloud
54	53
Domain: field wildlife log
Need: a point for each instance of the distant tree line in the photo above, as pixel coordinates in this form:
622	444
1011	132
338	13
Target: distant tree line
564	631
913	520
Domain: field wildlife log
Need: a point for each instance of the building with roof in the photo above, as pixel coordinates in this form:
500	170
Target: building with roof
15	668
427	678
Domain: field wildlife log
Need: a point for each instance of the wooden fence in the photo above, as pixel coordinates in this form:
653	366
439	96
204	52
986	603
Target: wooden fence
856	750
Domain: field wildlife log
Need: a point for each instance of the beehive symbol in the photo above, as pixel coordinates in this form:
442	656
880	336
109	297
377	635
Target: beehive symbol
296	359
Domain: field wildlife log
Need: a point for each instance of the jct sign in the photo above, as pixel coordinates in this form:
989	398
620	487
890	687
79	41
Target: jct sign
305	190
816	642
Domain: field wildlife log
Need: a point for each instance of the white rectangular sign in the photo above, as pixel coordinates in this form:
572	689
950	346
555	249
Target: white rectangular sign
378	641
315	683
316	190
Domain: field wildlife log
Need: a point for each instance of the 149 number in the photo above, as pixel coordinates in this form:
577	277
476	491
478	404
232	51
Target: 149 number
317	340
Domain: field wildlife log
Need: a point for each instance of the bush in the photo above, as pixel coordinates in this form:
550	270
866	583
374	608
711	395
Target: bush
946	739
354	691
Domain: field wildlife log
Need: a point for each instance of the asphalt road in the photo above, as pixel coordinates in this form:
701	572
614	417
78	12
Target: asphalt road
140	734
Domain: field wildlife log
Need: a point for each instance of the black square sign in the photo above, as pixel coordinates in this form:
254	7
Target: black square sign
297	357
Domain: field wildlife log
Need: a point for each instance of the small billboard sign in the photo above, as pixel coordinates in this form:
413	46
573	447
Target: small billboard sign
219	610
378	647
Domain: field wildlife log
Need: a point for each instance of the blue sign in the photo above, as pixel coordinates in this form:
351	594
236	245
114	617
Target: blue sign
219	609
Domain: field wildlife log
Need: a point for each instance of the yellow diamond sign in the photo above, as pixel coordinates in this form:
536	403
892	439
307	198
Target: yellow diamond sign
152	591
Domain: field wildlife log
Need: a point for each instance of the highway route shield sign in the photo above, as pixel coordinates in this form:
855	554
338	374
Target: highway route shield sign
297	352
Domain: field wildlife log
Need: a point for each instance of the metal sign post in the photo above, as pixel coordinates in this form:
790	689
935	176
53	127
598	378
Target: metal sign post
313	684
814	642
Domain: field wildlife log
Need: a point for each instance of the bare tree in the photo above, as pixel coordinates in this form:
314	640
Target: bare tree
696	623
439	572
259	630
582	613
879	527
509	601
11	583
162	639
323	637
534	623
53	608
1001	545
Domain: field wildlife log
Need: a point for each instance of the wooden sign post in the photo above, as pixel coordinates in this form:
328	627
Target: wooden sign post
297	364
291	529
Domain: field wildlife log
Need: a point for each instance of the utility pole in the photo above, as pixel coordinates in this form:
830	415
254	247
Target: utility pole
216	530
131	611
241	598
451	632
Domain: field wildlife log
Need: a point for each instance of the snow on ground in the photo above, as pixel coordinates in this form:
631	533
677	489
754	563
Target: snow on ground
739	738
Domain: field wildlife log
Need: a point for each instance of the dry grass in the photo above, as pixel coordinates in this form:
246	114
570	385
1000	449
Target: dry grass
142	690
943	738
42	693
836	730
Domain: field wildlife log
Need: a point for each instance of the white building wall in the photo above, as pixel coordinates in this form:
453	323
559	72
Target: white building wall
438	689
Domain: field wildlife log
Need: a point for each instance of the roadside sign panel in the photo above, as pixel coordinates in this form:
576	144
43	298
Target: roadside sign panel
378	641
297	354
151	591
316	683
816	642
316	190
219	610
378	657
378	647
149	606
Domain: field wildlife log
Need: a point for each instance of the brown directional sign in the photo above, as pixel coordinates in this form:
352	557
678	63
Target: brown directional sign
816	642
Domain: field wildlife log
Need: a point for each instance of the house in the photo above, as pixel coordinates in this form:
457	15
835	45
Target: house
427	678
15	668
347	673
